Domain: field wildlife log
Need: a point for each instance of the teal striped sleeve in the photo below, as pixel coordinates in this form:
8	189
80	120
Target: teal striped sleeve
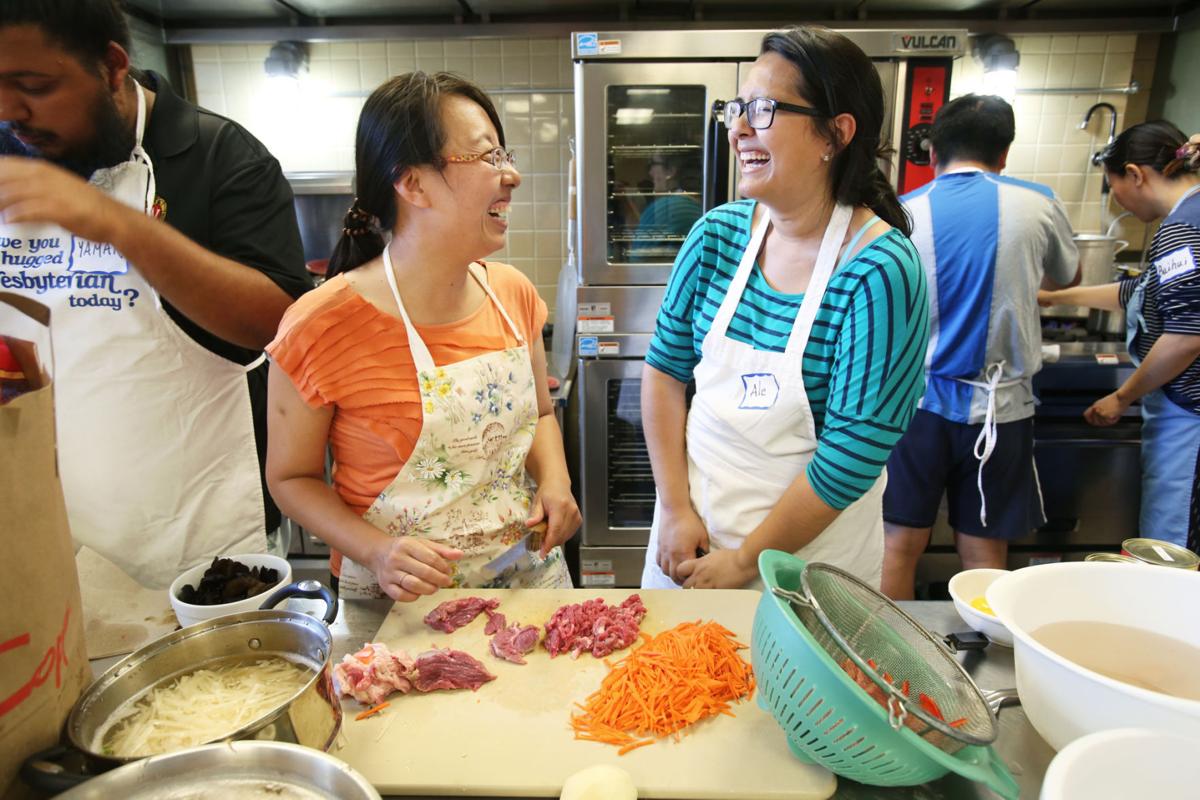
672	347
878	372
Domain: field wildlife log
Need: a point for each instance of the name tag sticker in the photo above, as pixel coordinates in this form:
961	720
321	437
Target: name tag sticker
1175	265
759	390
87	256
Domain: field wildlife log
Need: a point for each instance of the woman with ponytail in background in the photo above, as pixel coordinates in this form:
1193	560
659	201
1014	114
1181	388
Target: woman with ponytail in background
422	366
801	315
1154	171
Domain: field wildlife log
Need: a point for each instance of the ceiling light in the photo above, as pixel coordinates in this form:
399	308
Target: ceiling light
287	60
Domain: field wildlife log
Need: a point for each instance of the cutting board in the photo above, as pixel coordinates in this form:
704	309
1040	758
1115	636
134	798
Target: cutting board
119	614
512	737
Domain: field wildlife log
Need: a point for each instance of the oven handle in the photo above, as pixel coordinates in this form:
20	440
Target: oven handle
716	157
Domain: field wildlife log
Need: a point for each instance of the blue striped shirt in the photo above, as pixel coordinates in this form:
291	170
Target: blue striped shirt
1171	303
864	363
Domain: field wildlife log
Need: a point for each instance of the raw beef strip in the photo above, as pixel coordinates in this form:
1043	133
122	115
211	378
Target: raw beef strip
454	614
594	626
495	623
449	669
373	673
514	641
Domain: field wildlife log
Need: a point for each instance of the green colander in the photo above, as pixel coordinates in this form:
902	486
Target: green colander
814	625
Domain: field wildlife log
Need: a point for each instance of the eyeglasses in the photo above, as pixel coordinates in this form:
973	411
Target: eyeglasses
498	158
760	112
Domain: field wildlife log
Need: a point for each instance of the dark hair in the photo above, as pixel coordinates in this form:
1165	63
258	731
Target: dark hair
81	27
1154	144
400	127
973	127
836	77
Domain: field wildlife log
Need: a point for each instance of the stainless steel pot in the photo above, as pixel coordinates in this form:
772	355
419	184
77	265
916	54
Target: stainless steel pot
266	769
1096	254
312	717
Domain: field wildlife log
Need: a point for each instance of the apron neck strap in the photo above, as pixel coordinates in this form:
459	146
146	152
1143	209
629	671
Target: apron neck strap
477	272
831	243
740	278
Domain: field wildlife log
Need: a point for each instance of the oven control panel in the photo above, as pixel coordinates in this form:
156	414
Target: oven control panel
926	91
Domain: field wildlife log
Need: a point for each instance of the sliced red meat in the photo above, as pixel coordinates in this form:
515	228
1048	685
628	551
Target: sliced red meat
454	614
514	641
449	669
594	627
496	622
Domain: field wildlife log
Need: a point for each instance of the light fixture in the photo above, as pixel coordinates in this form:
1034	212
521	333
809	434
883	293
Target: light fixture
287	60
1000	58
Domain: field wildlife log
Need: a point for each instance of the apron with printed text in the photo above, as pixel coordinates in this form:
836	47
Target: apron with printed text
751	433
465	484
155	433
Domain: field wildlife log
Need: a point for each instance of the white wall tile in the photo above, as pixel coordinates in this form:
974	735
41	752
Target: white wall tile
1118	69
231	52
460	66
515	69
485	47
345	77
1060	70
343	50
208	77
372	49
401	50
1089	68
1032	44
372	72
205	52
1063	43
1092	43
1122	43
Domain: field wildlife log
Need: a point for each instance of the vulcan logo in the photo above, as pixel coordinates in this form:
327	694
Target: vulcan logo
926	41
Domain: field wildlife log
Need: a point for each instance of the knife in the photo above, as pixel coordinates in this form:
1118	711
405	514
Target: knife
522	555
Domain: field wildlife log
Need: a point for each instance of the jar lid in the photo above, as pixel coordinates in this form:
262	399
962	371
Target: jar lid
1160	553
1111	557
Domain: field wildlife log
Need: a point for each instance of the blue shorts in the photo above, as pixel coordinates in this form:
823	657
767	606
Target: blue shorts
937	456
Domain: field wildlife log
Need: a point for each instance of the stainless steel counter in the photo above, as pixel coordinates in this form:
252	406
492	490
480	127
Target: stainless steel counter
1025	752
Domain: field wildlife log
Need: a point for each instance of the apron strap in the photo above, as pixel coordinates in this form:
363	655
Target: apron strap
985	443
420	353
478	272
139	152
733	295
831	243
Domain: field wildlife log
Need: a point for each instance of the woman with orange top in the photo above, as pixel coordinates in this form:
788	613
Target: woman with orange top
422	366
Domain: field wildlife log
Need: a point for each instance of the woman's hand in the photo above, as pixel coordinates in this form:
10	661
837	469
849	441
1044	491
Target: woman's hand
555	505
1045	298
407	567
1106	411
680	534
720	569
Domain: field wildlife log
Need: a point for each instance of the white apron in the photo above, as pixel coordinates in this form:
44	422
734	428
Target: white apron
465	484
750	432
985	443
156	436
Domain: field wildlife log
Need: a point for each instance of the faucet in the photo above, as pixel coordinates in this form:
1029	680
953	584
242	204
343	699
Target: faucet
1112	134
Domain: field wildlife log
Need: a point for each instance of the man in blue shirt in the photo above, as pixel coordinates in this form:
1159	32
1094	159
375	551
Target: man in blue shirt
987	244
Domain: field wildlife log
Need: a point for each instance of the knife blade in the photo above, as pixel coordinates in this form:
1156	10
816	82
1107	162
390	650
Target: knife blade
522	555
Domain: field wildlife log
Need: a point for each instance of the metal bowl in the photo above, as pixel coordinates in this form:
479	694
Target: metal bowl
267	769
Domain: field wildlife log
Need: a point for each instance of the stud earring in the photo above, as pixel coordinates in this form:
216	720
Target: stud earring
826	157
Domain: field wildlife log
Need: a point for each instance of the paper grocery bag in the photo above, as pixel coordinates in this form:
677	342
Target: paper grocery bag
43	659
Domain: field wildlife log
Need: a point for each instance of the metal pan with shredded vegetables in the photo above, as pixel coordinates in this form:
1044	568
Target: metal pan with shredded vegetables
200	706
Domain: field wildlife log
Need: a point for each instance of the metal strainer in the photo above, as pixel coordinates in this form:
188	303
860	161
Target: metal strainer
851	620
817	633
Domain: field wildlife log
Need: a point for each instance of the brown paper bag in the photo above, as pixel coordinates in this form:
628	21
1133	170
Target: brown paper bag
43	659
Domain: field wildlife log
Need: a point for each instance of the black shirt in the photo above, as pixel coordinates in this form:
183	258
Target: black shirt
220	187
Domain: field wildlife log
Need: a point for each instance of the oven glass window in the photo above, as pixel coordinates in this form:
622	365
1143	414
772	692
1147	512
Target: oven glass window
655	169
630	480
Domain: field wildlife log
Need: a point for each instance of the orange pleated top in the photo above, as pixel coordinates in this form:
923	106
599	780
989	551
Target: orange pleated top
340	351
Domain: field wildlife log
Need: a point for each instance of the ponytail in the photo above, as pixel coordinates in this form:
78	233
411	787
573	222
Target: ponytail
360	242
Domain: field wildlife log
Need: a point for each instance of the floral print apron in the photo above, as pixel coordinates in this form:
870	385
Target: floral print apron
465	485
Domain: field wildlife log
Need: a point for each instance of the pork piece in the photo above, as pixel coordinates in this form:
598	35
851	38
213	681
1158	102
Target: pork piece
594	627
373	673
454	614
496	622
449	669
514	641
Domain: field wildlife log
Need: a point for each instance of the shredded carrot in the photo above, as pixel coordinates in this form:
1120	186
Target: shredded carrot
372	710
666	683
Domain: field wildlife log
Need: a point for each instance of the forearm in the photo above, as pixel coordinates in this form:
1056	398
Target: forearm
316	506
1106	296
546	461
230	300
798	517
1170	355
664	422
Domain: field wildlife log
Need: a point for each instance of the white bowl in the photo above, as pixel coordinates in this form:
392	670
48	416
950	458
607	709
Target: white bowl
965	587
1124	763
190	614
1064	700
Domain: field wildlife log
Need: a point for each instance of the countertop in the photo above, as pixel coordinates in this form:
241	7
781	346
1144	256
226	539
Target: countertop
1025	752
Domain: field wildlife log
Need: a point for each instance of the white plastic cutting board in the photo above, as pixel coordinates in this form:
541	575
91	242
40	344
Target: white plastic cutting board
512	738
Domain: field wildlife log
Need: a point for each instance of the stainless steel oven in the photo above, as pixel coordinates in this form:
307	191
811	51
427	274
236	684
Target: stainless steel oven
651	158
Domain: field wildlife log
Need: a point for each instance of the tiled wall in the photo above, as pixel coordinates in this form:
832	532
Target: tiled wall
1049	147
311	127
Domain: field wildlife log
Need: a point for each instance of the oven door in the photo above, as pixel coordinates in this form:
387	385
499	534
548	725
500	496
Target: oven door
616	482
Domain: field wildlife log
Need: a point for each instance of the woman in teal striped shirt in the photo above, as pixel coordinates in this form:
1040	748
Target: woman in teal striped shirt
801	315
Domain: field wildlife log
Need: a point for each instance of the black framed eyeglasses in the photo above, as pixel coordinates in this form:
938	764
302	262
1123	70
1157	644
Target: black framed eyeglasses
760	112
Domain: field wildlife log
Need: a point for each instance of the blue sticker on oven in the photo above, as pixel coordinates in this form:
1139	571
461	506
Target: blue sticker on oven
589	345
760	390
587	44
